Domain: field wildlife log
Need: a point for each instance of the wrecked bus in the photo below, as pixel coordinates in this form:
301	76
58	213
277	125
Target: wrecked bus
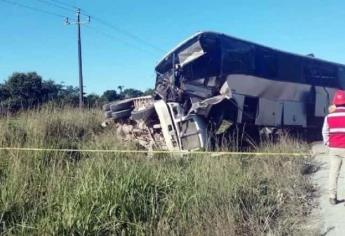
211	83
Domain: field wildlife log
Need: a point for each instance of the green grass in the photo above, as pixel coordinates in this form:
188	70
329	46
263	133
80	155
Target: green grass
43	193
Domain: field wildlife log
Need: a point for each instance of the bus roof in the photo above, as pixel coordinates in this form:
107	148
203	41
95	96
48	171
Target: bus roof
211	33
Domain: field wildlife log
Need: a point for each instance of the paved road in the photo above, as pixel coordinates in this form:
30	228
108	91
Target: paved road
331	218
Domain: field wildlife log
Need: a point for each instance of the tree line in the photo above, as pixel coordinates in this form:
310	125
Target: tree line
29	90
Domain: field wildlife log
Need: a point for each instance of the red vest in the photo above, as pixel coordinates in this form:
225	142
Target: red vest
336	125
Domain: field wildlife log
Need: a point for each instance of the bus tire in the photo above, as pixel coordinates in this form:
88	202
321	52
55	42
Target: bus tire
116	115
143	114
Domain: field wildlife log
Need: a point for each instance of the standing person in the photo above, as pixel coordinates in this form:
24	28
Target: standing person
333	132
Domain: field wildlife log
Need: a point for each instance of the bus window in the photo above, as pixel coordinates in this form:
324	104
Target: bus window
237	57
341	77
322	74
205	66
290	68
266	63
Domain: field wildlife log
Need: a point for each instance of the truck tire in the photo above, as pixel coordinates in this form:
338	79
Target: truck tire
121	105
121	114
106	107
143	114
107	114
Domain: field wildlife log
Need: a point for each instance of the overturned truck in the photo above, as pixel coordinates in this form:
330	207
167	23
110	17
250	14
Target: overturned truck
212	83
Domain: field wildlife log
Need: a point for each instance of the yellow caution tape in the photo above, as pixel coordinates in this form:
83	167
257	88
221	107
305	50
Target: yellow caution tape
154	151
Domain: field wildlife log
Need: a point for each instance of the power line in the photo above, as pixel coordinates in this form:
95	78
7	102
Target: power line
32	8
125	32
126	43
55	5
68	7
128	34
66	4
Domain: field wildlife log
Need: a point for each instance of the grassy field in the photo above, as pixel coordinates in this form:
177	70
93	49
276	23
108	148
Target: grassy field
44	193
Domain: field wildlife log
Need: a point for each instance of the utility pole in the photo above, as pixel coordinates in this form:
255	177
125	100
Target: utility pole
78	22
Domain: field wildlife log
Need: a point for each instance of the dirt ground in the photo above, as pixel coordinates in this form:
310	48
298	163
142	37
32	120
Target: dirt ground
330	219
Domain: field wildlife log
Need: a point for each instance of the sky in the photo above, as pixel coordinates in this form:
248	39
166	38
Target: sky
142	32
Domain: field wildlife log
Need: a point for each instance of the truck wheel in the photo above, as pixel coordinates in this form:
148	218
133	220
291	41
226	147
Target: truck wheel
107	114
121	105
143	114
106	107
121	114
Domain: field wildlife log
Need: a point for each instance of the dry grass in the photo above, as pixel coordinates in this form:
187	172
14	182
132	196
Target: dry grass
68	193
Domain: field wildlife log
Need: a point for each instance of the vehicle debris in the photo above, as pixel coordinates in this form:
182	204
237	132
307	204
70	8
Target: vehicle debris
212	83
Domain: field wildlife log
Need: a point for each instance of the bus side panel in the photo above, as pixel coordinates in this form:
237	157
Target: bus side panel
269	113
